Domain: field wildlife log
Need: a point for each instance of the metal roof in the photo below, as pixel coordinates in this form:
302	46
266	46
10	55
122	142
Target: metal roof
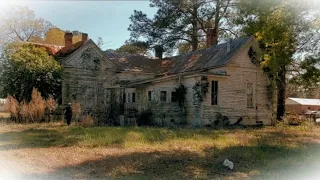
303	101
134	62
212	57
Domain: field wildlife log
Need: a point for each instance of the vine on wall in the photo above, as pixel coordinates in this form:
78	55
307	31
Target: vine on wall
85	60
200	89
253	56
181	98
181	95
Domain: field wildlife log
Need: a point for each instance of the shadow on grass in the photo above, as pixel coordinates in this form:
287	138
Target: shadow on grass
35	138
269	156
266	162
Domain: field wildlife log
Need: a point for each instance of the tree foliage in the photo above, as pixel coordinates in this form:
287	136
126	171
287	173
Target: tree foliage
278	26
20	24
24	67
135	47
181	21
308	73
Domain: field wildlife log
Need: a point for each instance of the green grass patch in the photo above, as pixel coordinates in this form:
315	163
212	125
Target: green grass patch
173	153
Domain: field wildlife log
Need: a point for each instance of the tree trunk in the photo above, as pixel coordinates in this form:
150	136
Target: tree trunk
216	23
194	36
281	87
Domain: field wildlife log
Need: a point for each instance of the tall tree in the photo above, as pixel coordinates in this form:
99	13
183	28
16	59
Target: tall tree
24	67
183	21
278	26
20	24
307	74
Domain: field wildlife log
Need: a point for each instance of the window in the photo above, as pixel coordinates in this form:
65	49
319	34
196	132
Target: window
149	95
129	97
249	95
214	93
163	96
133	97
173	96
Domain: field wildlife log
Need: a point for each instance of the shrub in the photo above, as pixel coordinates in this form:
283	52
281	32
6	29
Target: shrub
221	121
87	121
294	119
145	118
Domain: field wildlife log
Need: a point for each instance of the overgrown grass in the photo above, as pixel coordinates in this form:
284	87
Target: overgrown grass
171	153
47	135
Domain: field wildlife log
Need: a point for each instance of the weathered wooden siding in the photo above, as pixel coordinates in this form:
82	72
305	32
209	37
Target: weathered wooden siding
232	100
89	87
86	78
168	112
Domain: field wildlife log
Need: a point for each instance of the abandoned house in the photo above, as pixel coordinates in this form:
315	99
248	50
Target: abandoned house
192	88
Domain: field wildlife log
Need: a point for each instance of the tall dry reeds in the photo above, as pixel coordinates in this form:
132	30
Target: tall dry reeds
37	106
51	104
31	112
12	106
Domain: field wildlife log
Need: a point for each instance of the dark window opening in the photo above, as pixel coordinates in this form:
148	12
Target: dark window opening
174	96
214	93
133	97
124	98
149	95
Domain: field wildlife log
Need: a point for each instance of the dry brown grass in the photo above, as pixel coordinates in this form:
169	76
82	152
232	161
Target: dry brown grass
5	115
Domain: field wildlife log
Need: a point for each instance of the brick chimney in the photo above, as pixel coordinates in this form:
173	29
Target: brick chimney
68	39
158	51
84	37
212	38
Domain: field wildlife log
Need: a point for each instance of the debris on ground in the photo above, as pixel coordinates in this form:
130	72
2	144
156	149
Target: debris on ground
228	164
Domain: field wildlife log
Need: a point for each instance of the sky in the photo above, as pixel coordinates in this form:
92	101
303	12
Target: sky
106	19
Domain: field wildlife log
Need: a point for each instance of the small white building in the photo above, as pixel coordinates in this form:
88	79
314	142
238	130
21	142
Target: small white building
302	105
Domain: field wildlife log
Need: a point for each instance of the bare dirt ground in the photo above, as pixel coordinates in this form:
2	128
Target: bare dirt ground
278	154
